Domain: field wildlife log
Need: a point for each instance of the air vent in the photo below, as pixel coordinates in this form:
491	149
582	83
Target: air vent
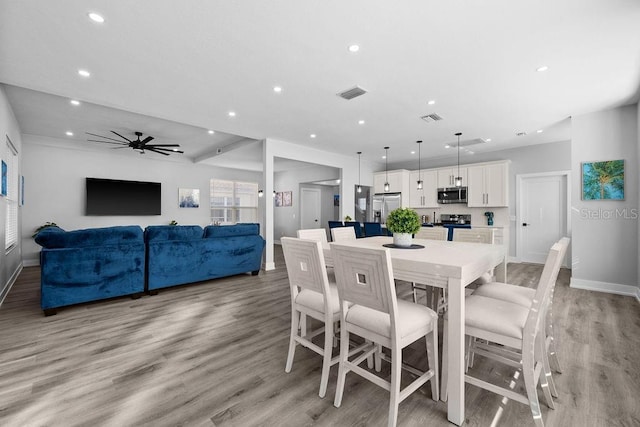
469	142
521	133
352	93
431	118
466	143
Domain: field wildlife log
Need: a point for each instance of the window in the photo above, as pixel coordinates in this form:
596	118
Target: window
233	201
10	157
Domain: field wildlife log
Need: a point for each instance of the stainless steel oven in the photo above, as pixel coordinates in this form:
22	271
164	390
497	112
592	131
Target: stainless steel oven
452	195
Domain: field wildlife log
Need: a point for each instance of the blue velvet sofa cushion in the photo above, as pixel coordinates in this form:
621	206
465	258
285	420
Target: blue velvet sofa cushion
55	237
240	229
172	232
88	265
224	251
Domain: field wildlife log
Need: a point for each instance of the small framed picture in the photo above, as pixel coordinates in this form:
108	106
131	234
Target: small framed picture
189	198
4	179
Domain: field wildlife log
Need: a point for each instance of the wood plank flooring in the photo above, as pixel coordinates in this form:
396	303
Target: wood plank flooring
213	354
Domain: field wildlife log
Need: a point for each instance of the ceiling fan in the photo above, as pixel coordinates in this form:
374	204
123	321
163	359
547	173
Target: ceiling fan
138	144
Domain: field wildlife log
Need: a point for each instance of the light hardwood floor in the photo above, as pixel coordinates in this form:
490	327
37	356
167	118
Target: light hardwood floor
213	354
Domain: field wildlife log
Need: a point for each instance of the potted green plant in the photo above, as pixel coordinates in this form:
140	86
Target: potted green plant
403	223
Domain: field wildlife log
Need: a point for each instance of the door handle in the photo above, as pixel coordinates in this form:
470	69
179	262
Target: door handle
524	224
315	220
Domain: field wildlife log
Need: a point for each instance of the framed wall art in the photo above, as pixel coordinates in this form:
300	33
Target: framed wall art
3	188
189	197
603	180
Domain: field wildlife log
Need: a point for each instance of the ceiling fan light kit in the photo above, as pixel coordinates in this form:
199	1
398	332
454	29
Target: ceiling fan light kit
141	145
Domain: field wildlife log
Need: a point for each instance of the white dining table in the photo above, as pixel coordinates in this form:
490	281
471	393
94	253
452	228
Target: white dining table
452	266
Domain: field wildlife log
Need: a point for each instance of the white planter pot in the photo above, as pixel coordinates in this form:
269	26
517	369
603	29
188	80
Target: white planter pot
402	239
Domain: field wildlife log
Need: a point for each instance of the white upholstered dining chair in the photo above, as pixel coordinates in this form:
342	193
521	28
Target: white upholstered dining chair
524	296
370	309
341	234
477	235
520	332
311	295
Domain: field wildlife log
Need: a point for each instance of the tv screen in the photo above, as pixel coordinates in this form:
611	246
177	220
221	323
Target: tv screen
116	197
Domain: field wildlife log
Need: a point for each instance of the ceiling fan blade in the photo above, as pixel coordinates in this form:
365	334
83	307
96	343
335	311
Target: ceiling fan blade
105	137
126	139
164	149
156	151
124	144
147	139
164	145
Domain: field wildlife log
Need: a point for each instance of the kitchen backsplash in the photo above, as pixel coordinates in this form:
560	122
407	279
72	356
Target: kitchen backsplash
500	215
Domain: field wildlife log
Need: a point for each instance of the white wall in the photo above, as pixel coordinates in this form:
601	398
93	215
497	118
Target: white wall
605	232
10	263
55	187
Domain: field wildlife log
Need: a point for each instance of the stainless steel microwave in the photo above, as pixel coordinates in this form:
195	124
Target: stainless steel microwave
452	195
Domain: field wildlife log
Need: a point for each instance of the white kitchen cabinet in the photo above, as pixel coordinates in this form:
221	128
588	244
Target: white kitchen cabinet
398	183
487	185
447	176
427	197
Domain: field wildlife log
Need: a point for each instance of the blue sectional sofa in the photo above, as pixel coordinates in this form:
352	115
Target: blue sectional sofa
88	265
179	254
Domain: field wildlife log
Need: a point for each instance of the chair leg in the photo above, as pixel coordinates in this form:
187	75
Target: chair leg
371	358
295	315
546	381
396	373
528	372
551	345
303	325
432	357
326	359
378	358
342	368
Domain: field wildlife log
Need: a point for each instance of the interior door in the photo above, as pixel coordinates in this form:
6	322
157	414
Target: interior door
310	210
542	218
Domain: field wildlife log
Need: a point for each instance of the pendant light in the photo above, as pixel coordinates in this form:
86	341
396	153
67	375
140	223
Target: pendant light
458	178
359	190
386	169
419	187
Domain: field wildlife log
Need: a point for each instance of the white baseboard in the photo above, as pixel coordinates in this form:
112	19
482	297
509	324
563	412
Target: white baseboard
513	259
30	262
10	283
610	288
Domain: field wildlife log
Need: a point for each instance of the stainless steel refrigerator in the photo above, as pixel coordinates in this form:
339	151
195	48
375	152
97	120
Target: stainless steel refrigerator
383	204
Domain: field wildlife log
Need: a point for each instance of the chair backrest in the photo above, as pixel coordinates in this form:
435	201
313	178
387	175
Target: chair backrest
545	287
342	234
364	276
356	227
305	265
318	234
334	224
372	229
477	235
432	233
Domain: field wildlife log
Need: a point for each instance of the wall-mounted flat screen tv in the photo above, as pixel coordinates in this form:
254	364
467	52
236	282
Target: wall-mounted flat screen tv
116	197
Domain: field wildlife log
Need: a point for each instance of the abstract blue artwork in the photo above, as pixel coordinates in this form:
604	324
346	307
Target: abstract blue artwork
4	178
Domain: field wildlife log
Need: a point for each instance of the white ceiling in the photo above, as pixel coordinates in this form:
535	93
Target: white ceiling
173	70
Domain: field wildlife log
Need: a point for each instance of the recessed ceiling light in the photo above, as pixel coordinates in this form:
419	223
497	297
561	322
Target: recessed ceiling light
539	131
354	48
447	146
313	135
232	113
69	133
277	89
488	139
74	102
96	18
384	157
541	69
360	122
84	73
431	102
211	132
